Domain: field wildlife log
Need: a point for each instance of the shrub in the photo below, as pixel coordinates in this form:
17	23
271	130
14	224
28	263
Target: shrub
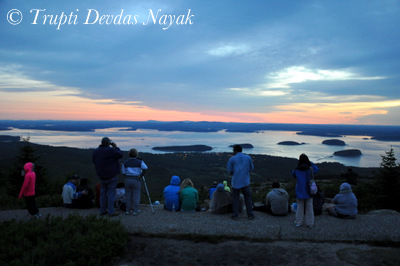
53	241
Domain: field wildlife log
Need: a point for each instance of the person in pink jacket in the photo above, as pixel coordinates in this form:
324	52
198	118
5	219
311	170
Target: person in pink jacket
28	190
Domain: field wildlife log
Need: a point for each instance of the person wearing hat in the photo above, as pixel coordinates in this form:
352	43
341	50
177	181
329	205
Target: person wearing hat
69	193
105	159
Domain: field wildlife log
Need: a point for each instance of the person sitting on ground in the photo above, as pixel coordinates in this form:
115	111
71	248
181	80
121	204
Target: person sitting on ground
345	203
69	193
277	201
188	196
221	201
318	201
119	201
86	200
227	188
212	189
171	194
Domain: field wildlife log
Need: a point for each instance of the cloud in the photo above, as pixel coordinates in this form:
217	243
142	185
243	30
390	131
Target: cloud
229	50
301	74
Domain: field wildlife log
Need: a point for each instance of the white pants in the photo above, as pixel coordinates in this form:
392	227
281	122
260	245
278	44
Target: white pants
305	212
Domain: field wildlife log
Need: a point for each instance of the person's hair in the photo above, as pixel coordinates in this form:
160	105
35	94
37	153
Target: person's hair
84	181
303	160
276	185
237	148
74	176
133	153
186	182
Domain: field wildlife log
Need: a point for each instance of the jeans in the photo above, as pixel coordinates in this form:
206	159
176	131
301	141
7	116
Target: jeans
247	200
132	194
107	195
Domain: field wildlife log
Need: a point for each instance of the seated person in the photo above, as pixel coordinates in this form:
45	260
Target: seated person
188	196
345	203
221	201
277	201
212	189
171	194
69	193
86	200
318	201
119	201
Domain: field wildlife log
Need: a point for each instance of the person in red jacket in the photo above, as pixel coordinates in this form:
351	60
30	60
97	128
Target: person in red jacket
28	190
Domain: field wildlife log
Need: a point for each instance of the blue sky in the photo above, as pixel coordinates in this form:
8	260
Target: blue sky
334	62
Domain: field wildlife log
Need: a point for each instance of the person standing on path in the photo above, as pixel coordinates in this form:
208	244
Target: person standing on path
28	190
240	166
303	174
134	170
105	159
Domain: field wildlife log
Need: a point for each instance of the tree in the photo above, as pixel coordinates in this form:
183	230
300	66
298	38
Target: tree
16	177
388	182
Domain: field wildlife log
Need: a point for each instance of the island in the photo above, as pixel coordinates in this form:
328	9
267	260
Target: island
334	142
188	148
348	153
243	145
6	138
290	143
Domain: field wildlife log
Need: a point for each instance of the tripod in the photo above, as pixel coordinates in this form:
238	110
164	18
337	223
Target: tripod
147	192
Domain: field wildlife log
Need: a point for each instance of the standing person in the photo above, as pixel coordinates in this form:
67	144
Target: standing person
171	194
240	166
28	190
189	196
305	212
134	170
105	159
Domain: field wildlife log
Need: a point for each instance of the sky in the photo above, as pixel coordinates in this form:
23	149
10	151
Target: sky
267	61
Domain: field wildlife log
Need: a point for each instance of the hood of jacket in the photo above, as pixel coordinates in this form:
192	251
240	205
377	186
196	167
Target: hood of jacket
345	188
220	187
279	191
28	167
175	180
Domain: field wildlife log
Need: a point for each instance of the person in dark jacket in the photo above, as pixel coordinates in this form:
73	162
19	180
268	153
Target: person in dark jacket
221	201
171	194
105	159
318	201
86	200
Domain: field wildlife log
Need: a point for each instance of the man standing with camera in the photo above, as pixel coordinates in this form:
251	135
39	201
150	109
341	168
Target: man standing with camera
105	159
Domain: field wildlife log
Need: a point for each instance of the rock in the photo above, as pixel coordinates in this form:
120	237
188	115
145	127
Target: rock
188	148
384	212
290	143
244	146
334	142
348	153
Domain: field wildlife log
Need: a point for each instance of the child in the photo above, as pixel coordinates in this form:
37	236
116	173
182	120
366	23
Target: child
28	191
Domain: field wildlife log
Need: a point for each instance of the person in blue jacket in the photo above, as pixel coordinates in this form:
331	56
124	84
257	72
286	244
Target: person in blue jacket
345	203
171	194
303	173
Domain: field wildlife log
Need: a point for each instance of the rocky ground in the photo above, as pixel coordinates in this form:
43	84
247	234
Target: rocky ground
201	238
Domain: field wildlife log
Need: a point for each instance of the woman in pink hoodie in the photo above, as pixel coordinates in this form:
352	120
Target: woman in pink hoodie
28	190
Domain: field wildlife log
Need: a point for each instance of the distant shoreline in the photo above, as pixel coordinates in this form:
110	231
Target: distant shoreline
377	132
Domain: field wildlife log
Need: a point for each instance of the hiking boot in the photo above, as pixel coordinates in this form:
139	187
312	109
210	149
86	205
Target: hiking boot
234	217
251	217
127	213
135	213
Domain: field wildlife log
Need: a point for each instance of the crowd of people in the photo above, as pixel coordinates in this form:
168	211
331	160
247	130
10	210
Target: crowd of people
184	197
